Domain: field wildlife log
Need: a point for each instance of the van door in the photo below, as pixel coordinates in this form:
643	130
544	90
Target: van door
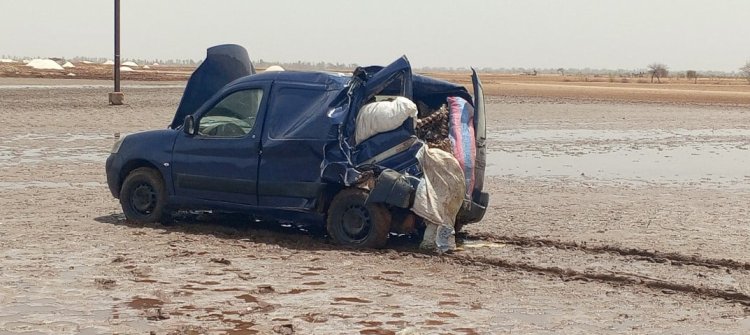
480	129
294	140
220	161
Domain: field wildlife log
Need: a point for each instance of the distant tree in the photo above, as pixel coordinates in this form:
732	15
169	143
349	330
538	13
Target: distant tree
691	74
657	70
562	71
746	71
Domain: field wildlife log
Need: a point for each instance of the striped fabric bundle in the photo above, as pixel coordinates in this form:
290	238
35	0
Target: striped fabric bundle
461	132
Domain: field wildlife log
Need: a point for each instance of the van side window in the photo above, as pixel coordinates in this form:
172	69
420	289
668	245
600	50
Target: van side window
233	116
301	108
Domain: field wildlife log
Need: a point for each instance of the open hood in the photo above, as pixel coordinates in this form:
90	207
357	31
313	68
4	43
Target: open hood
223	64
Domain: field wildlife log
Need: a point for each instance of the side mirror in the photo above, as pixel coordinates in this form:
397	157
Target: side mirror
188	126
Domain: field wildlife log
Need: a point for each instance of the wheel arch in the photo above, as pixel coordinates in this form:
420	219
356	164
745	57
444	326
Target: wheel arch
326	197
380	226
131	165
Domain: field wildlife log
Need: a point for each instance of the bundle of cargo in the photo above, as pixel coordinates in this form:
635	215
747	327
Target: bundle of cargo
450	127
433	129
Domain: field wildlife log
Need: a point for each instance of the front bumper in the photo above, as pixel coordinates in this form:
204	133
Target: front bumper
112	168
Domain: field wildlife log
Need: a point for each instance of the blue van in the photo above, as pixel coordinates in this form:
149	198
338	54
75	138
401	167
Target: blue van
280	145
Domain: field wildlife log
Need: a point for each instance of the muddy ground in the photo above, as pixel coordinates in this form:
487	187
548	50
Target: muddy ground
605	217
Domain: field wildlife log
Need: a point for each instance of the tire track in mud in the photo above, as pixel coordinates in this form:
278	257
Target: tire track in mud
609	278
646	255
615	278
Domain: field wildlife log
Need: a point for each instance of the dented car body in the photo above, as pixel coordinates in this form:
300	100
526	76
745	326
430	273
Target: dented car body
280	145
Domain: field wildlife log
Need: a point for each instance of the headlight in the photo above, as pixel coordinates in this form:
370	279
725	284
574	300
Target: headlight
118	143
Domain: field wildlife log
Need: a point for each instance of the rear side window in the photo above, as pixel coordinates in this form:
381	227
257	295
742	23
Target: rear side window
233	116
299	113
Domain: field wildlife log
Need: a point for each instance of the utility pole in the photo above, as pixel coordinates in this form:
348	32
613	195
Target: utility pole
116	97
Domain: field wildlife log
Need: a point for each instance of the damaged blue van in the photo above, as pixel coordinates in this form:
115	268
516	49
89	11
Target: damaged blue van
280	146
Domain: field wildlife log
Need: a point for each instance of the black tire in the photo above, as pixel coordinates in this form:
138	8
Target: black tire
352	223
143	196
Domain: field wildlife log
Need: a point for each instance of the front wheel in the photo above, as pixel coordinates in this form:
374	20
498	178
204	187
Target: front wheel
353	223
143	196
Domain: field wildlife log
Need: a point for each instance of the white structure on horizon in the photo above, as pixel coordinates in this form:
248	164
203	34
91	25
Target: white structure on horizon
273	68
44	64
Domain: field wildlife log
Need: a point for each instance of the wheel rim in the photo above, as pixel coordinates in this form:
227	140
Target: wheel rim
356	223
143	199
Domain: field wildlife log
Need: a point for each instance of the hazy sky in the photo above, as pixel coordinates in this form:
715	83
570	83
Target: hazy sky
629	34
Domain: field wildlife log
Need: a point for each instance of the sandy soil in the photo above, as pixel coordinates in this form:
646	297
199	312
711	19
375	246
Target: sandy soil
556	253
707	92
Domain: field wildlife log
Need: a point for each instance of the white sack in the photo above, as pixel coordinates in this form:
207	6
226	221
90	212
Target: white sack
439	197
382	116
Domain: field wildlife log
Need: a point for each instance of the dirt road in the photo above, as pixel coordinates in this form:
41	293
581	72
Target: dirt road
605	218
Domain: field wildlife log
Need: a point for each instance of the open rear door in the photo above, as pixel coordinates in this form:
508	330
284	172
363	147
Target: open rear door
475	209
480	130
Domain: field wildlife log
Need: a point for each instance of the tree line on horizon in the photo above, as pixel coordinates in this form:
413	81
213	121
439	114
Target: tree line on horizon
655	71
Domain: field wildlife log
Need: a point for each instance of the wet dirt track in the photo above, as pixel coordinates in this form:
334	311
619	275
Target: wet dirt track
570	244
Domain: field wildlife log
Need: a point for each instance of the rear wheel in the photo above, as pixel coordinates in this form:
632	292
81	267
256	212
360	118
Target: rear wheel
353	223
143	196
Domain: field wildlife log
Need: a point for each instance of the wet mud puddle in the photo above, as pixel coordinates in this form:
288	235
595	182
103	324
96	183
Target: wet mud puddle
33	148
706	157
